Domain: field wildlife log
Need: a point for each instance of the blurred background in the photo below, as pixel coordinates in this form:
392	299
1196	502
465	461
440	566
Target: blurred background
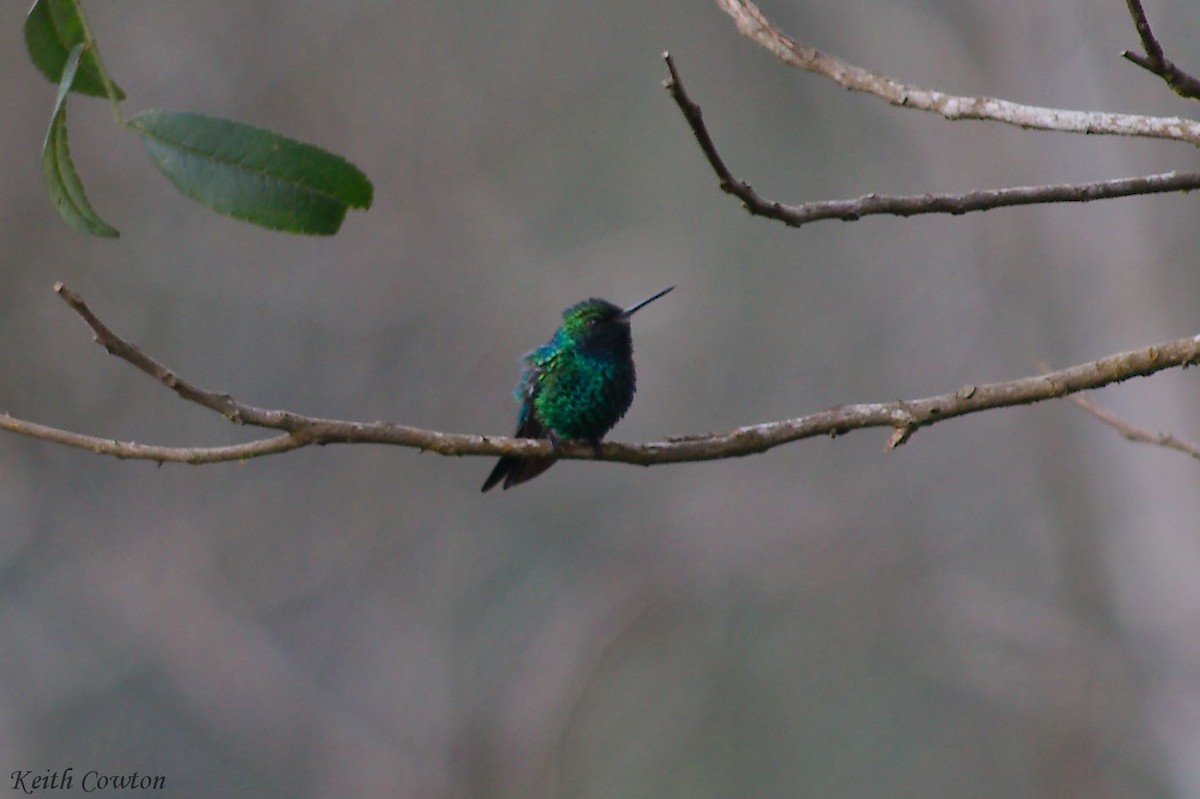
1007	606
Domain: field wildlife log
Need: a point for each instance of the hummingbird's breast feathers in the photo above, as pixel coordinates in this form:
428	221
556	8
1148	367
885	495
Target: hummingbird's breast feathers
579	395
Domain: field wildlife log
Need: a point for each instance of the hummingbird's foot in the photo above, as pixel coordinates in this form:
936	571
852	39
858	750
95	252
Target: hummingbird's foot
556	442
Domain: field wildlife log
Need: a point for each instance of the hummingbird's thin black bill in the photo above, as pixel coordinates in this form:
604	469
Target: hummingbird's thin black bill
629	311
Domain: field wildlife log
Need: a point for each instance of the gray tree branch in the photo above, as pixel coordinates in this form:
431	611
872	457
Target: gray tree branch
752	23
903	418
910	205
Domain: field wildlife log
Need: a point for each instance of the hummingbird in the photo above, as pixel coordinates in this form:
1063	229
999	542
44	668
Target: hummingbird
576	386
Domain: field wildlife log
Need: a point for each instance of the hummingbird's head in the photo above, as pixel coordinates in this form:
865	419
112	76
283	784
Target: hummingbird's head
599	326
591	315
594	314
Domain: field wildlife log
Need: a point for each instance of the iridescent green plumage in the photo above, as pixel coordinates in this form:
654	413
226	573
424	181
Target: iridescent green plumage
575	386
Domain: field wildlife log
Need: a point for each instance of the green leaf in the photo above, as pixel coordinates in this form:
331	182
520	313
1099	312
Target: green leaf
253	174
52	29
62	181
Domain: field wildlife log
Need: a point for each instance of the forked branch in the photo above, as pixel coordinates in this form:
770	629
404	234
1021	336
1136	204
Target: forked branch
1154	60
903	418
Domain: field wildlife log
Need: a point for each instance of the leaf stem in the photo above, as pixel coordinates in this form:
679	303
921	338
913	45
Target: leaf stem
92	45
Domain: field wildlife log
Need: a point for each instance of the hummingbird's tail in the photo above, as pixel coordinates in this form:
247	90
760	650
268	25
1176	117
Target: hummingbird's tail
514	471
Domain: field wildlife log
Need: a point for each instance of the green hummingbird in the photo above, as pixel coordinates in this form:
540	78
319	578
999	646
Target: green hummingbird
576	386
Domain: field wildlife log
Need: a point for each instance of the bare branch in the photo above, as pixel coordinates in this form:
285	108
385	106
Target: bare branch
130	450
753	24
1154	61
1133	432
910	205
903	418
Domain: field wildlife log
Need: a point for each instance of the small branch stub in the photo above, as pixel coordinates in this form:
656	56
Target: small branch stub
899	436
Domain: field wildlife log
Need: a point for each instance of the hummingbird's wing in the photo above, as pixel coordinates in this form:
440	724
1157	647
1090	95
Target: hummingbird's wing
514	471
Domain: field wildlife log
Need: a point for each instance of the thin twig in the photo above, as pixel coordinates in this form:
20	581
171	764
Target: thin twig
753	24
903	417
1154	60
223	404
910	205
1134	433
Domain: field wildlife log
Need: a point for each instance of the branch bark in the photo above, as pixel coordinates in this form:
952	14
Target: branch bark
903	418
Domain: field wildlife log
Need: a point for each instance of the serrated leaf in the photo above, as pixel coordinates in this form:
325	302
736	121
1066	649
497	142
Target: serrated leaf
62	181
52	29
253	174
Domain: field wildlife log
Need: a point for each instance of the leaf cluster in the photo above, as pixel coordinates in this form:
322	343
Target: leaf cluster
236	169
